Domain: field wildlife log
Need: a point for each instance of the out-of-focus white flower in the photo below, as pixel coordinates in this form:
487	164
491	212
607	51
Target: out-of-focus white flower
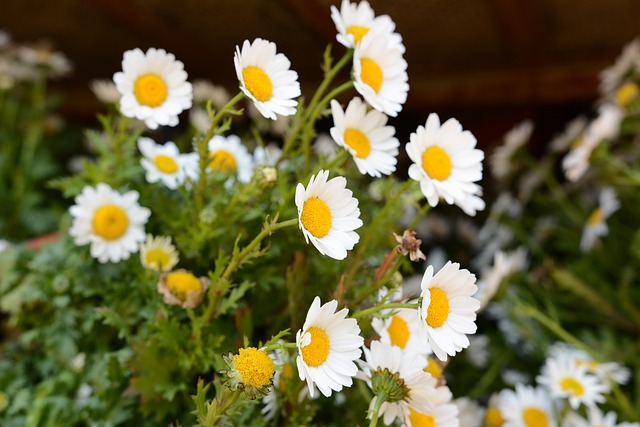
502	163
596	225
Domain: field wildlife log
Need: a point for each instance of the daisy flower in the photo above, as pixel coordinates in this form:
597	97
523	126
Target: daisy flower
251	370
157	253
444	414
266	79
606	126
355	20
502	157
626	94
111	222
229	156
493	417
154	87
365	136
572	133
596	225
447	310
328	344
380	74
204	90
504	264
446	163
595	418
402	329
183	288
328	213
164	163
526	407
567	379
282	380
401	377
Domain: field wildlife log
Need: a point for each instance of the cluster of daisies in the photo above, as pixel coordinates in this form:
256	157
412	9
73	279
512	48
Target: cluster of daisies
403	367
570	386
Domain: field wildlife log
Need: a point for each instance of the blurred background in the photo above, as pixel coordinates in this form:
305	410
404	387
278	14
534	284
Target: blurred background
489	63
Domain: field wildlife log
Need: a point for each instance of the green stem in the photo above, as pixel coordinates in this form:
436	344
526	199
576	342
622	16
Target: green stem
380	398
376	308
280	345
329	76
267	230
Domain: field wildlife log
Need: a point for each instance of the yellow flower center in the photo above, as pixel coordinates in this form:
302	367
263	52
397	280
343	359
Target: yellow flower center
398	331
434	368
150	90
626	93
255	367
316	217
572	386
438	310
436	163
285	377
371	74
223	161
358	141
318	349
258	83
534	417
165	164
591	365
596	217
418	419
180	283
358	32
493	417
110	222
157	258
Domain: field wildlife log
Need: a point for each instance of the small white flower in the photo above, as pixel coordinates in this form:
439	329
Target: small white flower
164	163
268	155
154	87
328	214
571	134
229	156
158	253
504	264
111	222
366	136
595	418
106	91
628	61
567	379
445	413
402	329
354	21
470	413
401	374
446	164
526	407
266	79
448	310
380	74
596	225
204	90
328	344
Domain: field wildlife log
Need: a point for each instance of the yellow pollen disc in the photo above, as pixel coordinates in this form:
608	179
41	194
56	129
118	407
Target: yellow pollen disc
157	258
493	417
436	163
534	417
223	161
165	164
596	217
150	90
255	367
358	141
418	419
434	368
626	93
577	142
318	349
358	32
398	331
181	283
591	365
285	377
316	217
258	83
572	386
438	310
110	222
371	74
